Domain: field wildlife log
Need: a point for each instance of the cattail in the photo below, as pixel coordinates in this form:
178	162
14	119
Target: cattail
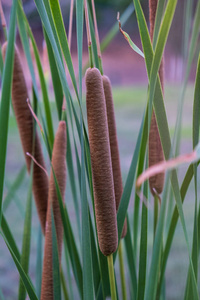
117	177
59	167
103	186
25	124
155	147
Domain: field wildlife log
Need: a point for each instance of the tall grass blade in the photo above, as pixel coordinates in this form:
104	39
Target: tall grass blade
22	19
57	87
25	42
159	15
123	206
195	254
88	292
72	178
26	243
143	248
184	187
1	63
165	141
95	260
60	29
70	240
56	264
14	187
131	261
26	280
39	263
9	237
5	99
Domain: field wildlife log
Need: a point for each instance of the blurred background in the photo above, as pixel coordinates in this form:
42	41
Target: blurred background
127	73
117	57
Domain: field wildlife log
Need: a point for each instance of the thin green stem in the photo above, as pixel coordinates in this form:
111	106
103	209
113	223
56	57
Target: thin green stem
112	277
156	209
100	65
90	56
64	286
122	273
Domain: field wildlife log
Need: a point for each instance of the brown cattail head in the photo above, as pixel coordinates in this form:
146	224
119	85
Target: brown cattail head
155	147
59	167
103	186
116	169
25	124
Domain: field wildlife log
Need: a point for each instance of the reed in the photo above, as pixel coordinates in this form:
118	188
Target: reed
156	154
115	158
104	198
59	168
30	143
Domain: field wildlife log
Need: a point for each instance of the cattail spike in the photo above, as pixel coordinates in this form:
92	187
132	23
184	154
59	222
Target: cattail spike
59	168
103	186
116	169
25	124
156	154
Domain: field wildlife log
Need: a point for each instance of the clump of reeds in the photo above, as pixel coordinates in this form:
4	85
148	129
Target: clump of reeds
155	147
30	141
59	168
103	186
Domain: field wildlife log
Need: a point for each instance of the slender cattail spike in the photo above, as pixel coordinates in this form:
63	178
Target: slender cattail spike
59	168
70	24
103	186
116	169
155	147
25	124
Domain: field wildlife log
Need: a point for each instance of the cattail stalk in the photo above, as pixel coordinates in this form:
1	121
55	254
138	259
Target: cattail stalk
88	35
59	168
112	277
155	147
25	124
116	168
103	186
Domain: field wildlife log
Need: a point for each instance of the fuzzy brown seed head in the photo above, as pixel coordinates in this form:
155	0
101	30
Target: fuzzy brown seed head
103	186
25	124
155	148
116	169
152	15
59	167
155	156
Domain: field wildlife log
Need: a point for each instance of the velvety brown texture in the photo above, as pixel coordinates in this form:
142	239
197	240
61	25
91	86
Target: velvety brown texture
103	186
155	147
115	158
59	167
25	124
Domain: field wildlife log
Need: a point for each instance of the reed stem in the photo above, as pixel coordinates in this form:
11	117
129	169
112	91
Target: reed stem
64	286
112	277
122	273
156	209
88	35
